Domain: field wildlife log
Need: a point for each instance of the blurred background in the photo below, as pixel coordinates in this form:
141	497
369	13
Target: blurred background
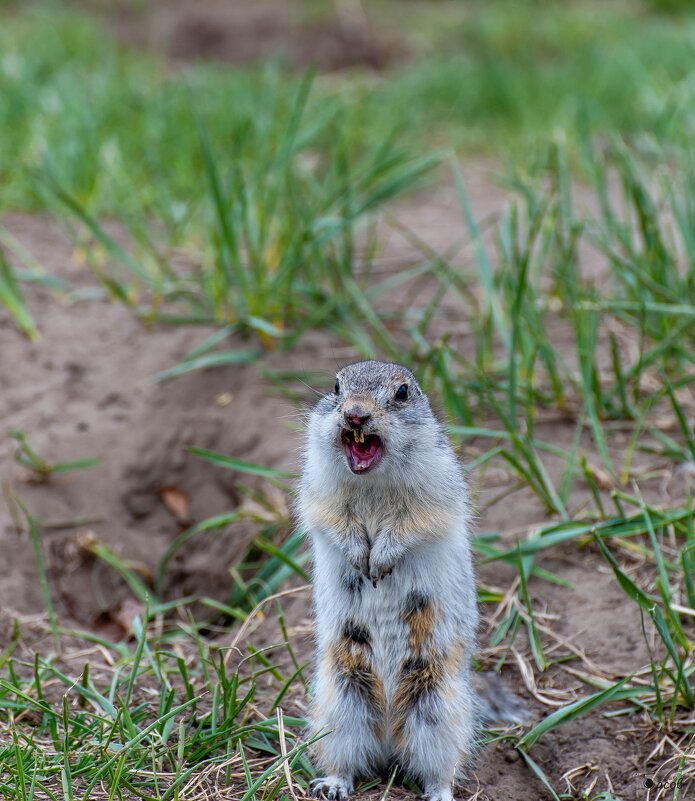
105	91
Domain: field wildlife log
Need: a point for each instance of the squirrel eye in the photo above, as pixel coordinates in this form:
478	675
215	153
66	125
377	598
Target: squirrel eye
337	386
402	392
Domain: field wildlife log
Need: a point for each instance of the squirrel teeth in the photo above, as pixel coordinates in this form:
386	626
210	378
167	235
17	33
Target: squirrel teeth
362	449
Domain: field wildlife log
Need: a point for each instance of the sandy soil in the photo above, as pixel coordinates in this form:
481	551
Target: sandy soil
86	390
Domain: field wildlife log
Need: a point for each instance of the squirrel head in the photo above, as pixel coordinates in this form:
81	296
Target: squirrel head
376	419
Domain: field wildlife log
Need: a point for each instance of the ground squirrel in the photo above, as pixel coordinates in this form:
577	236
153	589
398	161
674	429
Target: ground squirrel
384	500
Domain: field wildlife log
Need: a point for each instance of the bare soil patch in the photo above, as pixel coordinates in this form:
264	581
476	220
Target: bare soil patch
243	32
86	390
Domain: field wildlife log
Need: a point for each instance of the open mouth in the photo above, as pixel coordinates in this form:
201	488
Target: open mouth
363	451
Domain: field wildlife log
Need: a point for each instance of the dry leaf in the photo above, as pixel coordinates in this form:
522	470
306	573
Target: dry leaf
177	503
126	612
602	477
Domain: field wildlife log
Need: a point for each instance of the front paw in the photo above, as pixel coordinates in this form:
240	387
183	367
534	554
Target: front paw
376	575
357	554
380	566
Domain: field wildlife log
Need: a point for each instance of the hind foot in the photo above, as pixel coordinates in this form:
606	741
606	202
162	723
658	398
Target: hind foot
335	788
437	792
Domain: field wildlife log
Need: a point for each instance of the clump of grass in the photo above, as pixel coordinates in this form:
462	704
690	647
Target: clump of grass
158	719
41	469
498	383
12	298
280	239
177	712
119	136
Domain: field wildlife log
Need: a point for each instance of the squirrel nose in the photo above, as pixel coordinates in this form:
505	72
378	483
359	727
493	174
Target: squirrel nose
356	418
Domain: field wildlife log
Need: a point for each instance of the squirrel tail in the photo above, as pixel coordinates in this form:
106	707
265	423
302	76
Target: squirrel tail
497	705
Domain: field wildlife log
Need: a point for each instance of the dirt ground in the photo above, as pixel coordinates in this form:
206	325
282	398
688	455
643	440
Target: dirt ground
86	390
332	36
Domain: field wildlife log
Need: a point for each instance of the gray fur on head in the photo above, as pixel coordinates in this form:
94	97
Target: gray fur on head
415	446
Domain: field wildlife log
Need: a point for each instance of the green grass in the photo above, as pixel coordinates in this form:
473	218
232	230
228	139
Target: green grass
118	128
177	709
42	470
504	76
147	723
278	238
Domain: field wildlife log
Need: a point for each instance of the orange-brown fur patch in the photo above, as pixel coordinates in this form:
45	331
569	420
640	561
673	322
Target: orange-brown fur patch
423	679
351	657
419	681
324	513
420	615
409	516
